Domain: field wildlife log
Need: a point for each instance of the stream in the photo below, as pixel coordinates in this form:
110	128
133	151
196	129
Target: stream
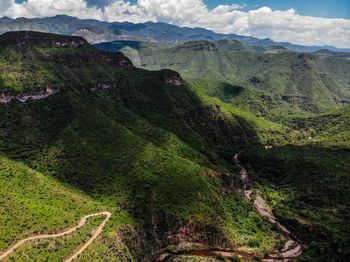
291	250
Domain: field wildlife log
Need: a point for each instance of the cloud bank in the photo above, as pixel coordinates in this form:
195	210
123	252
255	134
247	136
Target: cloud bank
285	25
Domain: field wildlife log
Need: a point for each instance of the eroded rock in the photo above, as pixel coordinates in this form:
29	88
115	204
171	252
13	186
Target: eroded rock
101	86
7	97
172	78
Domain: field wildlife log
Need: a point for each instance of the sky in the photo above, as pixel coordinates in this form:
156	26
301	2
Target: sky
309	22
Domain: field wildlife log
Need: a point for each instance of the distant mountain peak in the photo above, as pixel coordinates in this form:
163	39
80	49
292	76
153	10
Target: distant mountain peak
324	51
5	19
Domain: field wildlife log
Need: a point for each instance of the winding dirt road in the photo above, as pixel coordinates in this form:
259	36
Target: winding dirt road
69	231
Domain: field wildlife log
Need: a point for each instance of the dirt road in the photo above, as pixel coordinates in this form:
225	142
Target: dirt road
69	231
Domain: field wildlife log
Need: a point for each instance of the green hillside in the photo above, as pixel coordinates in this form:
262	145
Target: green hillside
83	130
330	129
130	141
32	202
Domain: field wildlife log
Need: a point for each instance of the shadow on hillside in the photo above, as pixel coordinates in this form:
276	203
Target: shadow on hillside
116	46
2	83
143	147
231	90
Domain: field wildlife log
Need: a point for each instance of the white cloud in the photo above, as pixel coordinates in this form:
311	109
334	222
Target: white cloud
285	25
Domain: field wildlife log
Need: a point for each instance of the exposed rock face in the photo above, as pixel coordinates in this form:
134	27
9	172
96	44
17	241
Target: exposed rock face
28	38
196	234
174	235
172	78
101	86
112	58
85	53
254	80
24	97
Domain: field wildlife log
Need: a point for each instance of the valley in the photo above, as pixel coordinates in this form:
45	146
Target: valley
191	151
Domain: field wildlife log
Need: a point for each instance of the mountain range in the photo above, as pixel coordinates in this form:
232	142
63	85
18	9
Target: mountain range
97	31
272	82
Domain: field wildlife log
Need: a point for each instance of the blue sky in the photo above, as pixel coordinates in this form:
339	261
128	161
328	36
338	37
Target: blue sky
320	8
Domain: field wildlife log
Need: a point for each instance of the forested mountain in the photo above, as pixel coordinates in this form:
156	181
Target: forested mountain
140	144
98	31
270	81
211	150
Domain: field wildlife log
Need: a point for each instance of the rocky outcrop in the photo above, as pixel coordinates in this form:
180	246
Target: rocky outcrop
118	59
254	80
172	78
27	39
6	97
164	232
101	86
82	51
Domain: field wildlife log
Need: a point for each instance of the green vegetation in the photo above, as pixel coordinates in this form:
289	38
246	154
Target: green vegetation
158	155
303	171
152	153
330	129
32	203
309	188
56	249
271	82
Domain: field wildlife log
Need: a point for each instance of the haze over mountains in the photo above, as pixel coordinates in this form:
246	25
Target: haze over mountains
96	31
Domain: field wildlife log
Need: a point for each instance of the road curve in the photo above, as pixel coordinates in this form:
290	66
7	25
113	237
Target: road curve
69	231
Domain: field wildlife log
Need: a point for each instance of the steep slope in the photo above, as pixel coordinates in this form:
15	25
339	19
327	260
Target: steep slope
307	183
140	143
32	202
272	82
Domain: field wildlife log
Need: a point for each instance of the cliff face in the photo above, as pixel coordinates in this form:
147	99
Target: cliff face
32	61
59	46
172	78
29	39
6	97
